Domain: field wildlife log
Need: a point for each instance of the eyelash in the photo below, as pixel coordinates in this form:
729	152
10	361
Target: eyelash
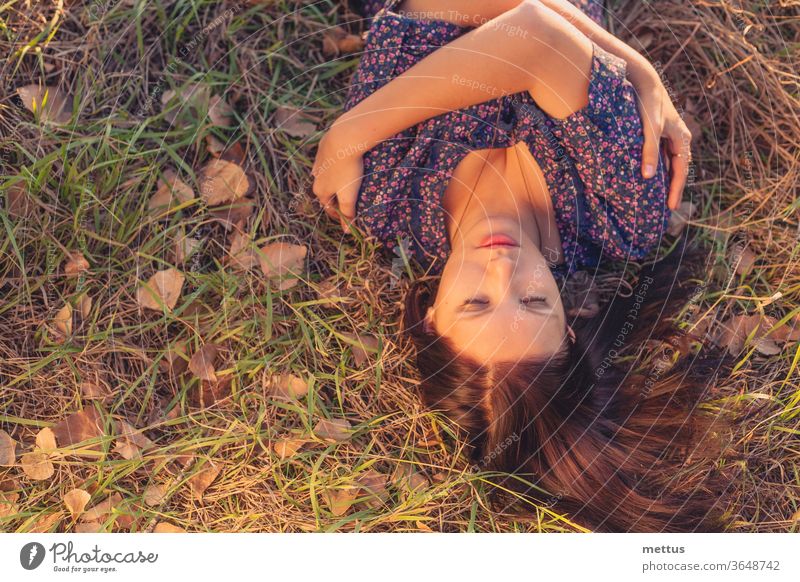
523	301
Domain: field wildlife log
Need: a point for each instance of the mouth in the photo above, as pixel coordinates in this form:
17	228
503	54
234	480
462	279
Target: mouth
498	241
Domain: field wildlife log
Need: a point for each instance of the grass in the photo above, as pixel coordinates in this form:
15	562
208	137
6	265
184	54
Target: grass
89	182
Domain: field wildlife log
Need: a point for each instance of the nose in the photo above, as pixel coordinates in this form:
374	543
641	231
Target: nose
501	267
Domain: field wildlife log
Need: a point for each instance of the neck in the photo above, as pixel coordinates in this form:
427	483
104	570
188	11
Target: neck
492	184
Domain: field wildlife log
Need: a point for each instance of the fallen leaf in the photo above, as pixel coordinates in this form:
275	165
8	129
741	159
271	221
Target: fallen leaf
171	192
134	435
407	478
75	501
214	145
337	41
185	247
62	320
202	363
282	261
46	440
127	450
286	448
75	264
48	104
290	120
165	527
81	426
242	255
162	290
235	214
340	500
732	334
8	504
361	345
85	306
290	387
330	293
37	466
154	494
102	508
44	523
742	258
18	202
8	450
212	392
335	430
219	112
201	480
92	391
374	484
191	99
222	182
88	527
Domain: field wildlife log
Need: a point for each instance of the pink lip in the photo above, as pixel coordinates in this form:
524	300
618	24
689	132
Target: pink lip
498	240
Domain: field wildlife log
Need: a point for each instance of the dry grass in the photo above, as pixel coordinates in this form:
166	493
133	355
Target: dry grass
89	182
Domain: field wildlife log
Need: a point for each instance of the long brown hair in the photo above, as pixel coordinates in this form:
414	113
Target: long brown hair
607	441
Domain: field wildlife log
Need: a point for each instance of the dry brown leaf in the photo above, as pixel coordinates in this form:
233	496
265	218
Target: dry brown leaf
202	363
102	508
286	448
337	41
8	450
742	258
222	181
37	466
165	527
48	104
334	430
407	478
171	192
282	262
374	484
75	501
242	255
127	450
92	391
134	435
234	216
191	99
733	333
44	523
290	120
340	500
219	112
162	290
8	504
85	306
46	440
81	426
185	247
62	320
290	387
154	494
18	201
201	480
88	527
75	264
361	345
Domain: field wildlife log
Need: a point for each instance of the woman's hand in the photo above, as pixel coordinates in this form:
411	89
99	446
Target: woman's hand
660	120
337	172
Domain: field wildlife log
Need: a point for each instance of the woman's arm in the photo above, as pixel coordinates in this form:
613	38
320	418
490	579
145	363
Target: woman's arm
658	113
527	48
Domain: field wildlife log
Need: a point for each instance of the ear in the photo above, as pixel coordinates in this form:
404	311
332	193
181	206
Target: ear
427	323
571	334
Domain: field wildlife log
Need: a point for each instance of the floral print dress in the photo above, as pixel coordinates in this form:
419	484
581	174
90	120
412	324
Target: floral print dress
591	160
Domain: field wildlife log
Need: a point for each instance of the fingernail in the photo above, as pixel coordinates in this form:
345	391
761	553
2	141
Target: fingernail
649	171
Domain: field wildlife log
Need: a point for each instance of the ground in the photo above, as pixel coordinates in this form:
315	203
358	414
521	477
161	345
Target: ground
234	442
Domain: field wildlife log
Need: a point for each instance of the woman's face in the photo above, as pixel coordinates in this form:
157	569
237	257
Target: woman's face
497	299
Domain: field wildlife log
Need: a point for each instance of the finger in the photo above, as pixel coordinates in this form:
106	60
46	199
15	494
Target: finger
680	152
348	197
652	127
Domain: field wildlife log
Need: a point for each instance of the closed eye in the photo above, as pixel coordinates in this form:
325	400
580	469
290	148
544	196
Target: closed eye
533	301
474	304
